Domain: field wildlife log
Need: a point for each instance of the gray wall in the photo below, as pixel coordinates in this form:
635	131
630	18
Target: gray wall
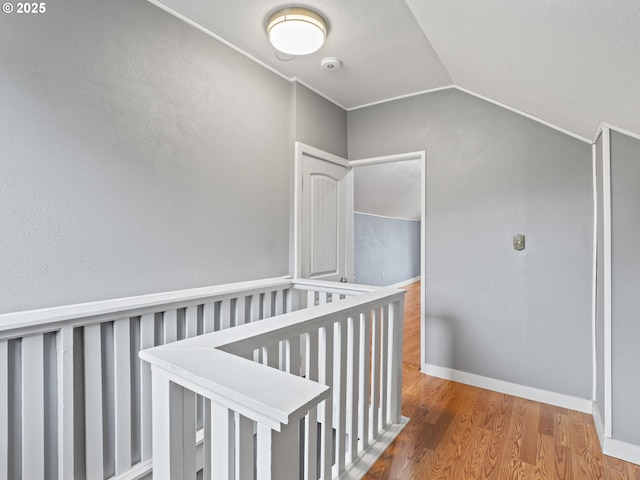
320	123
522	317
386	250
137	155
625	285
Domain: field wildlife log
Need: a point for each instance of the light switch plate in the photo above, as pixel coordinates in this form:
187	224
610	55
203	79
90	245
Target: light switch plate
518	241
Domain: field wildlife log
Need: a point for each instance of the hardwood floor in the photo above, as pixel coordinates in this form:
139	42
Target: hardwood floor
460	432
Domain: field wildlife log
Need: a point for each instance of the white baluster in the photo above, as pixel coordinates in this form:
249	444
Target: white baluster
170	326
93	402
122	380
353	383
396	324
340	393
147	336
32	407
191	321
384	370
4	409
311	420
245	461
222	442
209	317
66	387
375	375
364	384
325	376
174	451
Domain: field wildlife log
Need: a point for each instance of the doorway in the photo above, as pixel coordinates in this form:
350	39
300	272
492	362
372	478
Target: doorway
300	255
398	167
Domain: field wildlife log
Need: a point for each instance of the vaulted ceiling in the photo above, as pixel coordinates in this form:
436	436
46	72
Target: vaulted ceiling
572	63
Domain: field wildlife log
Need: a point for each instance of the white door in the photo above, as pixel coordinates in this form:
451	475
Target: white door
324	203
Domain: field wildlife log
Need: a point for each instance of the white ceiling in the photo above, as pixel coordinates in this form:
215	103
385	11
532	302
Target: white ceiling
572	63
384	52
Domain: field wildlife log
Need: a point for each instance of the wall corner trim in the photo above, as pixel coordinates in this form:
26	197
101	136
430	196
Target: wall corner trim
531	393
612	447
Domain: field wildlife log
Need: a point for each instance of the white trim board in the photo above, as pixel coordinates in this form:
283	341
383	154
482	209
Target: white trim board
594	286
604	125
606	223
386	216
400	97
398	157
404	283
531	393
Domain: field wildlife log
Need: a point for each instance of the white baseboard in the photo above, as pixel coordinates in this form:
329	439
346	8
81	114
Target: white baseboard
531	393
404	283
613	447
622	450
597	421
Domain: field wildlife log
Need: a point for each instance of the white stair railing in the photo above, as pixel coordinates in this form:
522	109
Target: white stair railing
75	399
331	424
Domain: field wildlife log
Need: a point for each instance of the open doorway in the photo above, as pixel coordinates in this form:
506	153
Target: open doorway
389	244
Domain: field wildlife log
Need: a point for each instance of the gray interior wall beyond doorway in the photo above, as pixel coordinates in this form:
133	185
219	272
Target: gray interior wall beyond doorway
386	250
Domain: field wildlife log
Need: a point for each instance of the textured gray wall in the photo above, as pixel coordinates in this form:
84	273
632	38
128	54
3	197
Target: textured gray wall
319	122
138	155
625	285
600	286
523	317
386	250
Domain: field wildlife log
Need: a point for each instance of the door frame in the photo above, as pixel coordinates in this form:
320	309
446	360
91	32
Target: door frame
401	157
302	149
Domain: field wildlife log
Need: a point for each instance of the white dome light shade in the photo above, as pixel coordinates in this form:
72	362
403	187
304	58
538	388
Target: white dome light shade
296	31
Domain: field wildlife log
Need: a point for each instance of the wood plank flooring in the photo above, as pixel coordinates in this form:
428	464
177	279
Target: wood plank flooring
458	432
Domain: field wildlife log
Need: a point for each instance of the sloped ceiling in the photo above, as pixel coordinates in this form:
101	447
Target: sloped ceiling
384	52
389	189
572	63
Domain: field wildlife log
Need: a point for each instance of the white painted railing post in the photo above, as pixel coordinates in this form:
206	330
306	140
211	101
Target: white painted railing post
396	321
174	423
65	355
222	432
278	453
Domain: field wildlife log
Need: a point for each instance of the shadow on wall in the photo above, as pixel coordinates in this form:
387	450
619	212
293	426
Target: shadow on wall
443	352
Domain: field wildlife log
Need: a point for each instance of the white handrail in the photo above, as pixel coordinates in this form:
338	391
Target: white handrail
131	305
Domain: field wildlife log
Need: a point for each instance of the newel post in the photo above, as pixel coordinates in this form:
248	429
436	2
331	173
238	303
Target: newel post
174	430
278	453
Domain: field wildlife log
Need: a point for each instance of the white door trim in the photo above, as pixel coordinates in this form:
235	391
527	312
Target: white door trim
302	149
401	157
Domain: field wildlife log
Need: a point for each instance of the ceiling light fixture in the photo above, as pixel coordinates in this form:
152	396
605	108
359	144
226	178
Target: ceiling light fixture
296	31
